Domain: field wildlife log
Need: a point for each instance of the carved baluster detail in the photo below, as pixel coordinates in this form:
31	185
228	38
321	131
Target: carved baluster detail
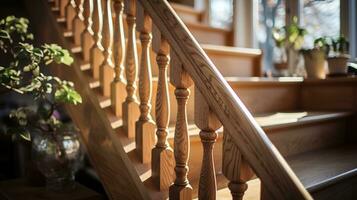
118	84
87	34
131	105
107	67
62	7
162	164
78	23
96	52
145	126
181	189
235	168
70	14
207	121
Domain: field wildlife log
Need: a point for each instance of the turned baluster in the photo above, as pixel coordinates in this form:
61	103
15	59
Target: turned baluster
118	85
70	14
181	189
78	22
131	105
208	123
62	7
96	52
145	126
235	168
162	164
87	35
56	4
106	74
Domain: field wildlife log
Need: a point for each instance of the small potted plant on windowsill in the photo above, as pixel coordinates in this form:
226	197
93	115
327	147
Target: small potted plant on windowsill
289	40
56	148
315	58
338	56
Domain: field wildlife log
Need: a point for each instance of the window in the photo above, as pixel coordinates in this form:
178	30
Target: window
221	13
320	18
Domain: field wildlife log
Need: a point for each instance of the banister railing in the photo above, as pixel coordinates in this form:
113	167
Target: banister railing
245	143
245	133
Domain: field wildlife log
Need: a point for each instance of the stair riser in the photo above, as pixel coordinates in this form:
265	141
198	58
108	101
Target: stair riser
289	141
345	189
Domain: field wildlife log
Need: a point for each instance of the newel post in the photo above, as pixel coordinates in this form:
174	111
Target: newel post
70	14
145	126
87	36
208	122
131	104
106	69
162	164
78	22
96	52
181	189
118	92
235	168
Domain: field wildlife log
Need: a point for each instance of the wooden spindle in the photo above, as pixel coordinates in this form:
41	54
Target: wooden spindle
131	105
78	22
118	85
107	67
235	168
162	164
145	126
181	189
87	35
70	14
63	4
56	4
208	123
96	52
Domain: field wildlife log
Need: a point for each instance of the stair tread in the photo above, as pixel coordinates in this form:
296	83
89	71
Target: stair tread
318	168
230	50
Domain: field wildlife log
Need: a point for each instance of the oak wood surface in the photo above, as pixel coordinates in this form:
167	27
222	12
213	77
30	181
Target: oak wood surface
249	137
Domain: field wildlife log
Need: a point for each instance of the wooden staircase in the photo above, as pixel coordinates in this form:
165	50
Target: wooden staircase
310	122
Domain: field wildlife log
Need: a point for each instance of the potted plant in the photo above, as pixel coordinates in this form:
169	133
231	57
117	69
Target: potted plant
315	58
338	56
55	147
289	39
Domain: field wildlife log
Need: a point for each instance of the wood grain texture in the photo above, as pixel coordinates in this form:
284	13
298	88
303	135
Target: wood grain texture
145	126
63	4
87	36
131	105
106	153
118	92
251	140
70	14
162	151
181	189
106	69
235	168
208	123
96	52
78	23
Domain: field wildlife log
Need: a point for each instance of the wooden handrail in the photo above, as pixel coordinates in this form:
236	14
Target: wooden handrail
257	149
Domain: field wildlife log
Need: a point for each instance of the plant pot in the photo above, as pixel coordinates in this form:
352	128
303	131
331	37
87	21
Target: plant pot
57	156
337	65
314	63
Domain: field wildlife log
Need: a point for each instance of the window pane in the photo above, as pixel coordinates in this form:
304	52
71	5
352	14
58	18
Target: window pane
320	18
221	13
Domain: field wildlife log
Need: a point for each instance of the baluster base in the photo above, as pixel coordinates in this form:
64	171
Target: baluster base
130	114
118	97
95	61
178	192
237	189
106	77
71	13
87	42
78	28
162	166
145	139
